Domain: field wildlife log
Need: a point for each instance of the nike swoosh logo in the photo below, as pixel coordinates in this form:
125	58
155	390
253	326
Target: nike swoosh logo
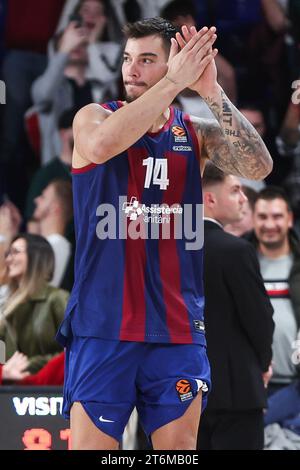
103	420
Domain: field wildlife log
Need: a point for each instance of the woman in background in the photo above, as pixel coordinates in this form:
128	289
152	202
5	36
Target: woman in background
33	310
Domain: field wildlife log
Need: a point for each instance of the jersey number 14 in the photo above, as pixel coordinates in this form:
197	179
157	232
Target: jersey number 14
157	172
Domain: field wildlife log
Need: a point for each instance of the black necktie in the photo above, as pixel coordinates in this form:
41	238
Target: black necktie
132	10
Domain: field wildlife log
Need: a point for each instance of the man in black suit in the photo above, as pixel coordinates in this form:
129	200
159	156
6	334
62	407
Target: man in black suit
239	325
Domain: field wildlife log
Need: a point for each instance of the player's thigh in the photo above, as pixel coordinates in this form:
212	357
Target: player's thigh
85	435
181	433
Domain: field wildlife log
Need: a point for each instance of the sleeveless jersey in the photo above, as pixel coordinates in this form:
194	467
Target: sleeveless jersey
139	236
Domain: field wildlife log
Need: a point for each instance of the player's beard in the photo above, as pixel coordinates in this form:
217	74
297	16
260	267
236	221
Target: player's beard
130	97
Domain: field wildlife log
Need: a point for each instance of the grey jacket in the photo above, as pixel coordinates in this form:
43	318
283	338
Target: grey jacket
52	92
294	278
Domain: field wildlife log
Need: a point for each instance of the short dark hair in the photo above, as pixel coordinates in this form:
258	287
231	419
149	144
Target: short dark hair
151	27
274	192
212	175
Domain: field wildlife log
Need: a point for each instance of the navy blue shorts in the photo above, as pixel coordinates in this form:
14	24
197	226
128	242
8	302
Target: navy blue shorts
110	378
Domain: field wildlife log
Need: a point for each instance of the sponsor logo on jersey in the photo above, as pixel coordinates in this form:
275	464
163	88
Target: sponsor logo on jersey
163	221
154	213
182	148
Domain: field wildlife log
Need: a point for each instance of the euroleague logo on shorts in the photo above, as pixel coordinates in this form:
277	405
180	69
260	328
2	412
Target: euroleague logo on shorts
179	134
184	389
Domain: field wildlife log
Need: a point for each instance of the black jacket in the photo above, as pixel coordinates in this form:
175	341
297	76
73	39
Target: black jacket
238	319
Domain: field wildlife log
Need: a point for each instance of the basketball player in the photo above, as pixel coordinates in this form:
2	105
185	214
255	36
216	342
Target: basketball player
134	327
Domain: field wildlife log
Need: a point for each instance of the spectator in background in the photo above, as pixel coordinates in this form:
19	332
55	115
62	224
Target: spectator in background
238	320
33	309
10	221
256	118
3	6
269	77
81	69
276	13
128	11
58	167
293	12
29	26
52	373
288	144
14	371
236	22
103	54
184	13
53	212
254	115
279	257
284	410
245	224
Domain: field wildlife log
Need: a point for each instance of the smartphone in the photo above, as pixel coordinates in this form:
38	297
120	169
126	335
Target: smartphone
78	20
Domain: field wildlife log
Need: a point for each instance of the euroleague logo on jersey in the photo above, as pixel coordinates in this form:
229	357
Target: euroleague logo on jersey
179	134
184	389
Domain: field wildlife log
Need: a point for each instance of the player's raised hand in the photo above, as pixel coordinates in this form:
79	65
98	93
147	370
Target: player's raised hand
207	77
187	65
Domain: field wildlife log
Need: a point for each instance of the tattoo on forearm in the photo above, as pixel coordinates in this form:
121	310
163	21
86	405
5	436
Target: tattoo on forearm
227	113
235	147
215	108
232	133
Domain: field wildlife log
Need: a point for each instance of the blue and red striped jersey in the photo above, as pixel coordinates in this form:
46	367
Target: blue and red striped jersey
138	272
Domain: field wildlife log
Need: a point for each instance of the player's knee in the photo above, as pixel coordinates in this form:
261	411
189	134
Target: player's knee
185	442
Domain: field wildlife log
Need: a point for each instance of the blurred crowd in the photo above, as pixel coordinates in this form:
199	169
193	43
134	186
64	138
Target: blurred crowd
56	56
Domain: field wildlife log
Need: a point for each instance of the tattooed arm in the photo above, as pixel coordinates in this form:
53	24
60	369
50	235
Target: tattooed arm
232	143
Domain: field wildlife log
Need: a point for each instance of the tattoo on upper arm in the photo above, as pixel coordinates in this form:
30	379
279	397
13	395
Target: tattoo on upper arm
234	146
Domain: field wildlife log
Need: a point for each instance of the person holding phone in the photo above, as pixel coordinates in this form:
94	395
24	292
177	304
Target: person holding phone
81	69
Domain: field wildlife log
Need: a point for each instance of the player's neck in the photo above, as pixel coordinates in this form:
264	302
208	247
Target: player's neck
161	121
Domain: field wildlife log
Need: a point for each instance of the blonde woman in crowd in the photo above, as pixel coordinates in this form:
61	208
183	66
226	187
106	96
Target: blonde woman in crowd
33	309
